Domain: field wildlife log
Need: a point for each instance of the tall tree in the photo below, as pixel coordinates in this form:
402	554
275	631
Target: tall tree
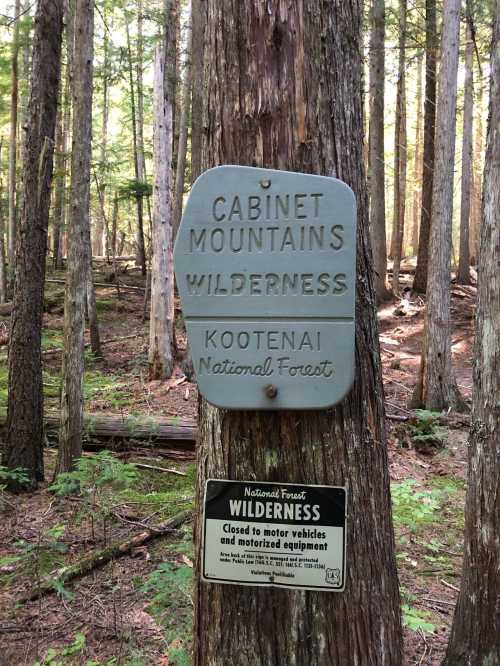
283	90
475	634
436	387
475	221
400	149
14	99
431	46
70	438
161	323
138	165
183	125
376	147
100	240
59	211
417	163
463	274
198	37
3	268
25	395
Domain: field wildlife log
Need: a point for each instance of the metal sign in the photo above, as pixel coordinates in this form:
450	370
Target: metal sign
265	267
274	535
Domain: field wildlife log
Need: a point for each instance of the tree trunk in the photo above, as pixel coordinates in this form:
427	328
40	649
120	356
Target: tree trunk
376	148
183	127
431	45
70	445
436	387
3	267
141	164
475	221
198	37
161	323
400	158
475	635
100	241
14	96
284	91
24	439
417	170
141	250
58	216
463	275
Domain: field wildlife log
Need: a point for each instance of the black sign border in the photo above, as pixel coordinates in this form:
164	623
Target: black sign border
229	581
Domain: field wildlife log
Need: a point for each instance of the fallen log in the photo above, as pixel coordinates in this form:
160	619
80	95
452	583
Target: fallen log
99	558
105	285
117	433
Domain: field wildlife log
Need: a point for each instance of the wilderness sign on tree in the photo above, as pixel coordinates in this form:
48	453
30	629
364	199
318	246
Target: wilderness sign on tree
273	327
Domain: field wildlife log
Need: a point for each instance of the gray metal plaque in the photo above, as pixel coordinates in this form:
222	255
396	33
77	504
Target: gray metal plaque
274	535
265	263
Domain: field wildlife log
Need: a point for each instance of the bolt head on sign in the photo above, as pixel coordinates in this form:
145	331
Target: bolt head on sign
265	263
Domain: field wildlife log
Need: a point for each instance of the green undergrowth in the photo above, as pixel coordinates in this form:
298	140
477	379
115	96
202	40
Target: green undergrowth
429	522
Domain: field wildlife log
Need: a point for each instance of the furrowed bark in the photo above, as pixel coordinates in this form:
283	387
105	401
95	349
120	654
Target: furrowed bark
284	91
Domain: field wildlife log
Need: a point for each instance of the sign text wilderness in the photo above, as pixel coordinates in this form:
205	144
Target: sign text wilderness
274	534
265	269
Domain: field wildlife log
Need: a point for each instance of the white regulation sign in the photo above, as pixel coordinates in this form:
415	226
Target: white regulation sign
274	535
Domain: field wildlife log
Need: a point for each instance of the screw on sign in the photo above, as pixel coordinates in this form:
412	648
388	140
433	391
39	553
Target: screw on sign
265	264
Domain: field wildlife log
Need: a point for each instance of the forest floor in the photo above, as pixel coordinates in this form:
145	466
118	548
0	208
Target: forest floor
136	609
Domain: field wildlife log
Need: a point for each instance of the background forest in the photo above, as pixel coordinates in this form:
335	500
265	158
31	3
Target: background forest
99	409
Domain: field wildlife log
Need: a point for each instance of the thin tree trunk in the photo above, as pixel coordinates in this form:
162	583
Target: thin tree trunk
70	445
477	176
376	148
198	37
25	395
161	323
418	163
141	251
58	216
141	164
436	388
287	94
3	268
400	157
14	97
183	126
114	226
475	634
100	242
431	46
463	275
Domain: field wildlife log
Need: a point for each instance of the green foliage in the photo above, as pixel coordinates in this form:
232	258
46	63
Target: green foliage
57	657
425	429
413	508
17	475
134	189
170	588
417	620
97	478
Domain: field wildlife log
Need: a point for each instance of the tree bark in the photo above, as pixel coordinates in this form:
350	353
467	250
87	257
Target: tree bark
477	175
161	323
284	91
141	250
59	213
431	46
463	275
24	439
400	157
198	37
418	162
376	148
14	97
183	127
3	266
70	444
436	387
475	635
101	236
